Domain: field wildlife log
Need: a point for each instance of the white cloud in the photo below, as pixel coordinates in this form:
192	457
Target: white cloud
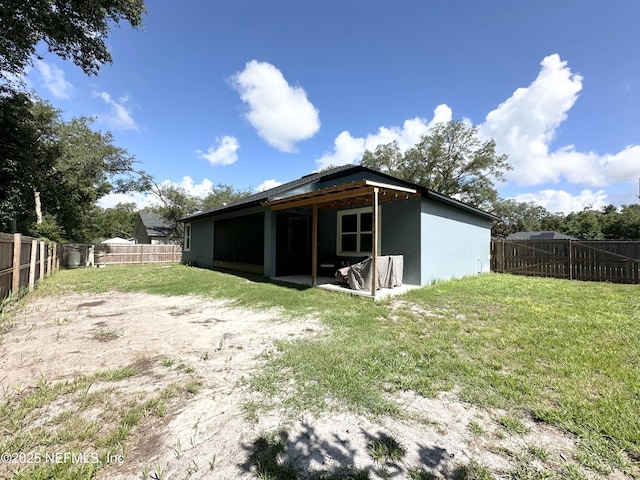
561	201
267	184
119	116
54	81
201	189
225	151
348	149
141	200
281	114
525	125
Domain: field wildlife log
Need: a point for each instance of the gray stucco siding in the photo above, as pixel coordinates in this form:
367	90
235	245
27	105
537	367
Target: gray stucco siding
400	235
454	243
201	251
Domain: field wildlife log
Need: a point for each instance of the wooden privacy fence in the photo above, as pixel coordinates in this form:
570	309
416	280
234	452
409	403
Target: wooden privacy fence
615	261
76	255
24	261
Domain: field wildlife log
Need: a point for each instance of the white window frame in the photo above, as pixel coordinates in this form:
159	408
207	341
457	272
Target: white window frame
358	212
187	237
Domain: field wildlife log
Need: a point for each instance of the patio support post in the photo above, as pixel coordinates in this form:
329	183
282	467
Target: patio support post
314	246
374	232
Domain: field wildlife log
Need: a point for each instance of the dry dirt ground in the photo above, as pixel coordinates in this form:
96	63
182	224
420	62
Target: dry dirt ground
208	434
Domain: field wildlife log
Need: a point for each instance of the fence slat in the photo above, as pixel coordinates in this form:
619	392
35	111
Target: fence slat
32	264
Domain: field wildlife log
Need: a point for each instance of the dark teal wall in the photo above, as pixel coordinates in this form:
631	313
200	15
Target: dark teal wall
401	235
201	252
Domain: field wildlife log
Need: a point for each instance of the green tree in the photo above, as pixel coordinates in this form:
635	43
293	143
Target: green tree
517	217
28	151
72	29
118	221
64	166
623	224
222	194
585	225
450	159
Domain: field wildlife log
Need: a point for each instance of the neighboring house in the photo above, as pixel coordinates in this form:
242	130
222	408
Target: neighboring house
539	236
272	233
152	228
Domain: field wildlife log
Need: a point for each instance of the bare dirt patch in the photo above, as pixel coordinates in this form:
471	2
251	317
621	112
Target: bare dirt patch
207	434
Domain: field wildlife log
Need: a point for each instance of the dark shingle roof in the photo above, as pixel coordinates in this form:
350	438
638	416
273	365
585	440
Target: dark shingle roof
539	236
274	192
325	176
155	224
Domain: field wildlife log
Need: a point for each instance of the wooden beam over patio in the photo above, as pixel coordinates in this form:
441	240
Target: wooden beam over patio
351	194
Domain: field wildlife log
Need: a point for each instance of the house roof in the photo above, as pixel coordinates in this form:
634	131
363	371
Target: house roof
116	240
548	235
325	176
155	224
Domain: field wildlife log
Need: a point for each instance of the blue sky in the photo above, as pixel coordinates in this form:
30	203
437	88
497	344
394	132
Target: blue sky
254	94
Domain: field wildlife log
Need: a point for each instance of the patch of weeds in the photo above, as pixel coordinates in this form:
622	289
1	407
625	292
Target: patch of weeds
472	471
193	386
177	450
420	474
204	356
538	452
526	471
192	468
267	458
144	475
386	449
571	472
476	428
157	473
116	374
105	334
513	425
185	368
250	410
168	362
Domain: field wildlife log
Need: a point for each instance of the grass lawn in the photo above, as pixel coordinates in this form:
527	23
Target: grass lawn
561	352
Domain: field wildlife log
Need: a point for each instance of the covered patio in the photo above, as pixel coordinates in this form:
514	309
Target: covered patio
355	194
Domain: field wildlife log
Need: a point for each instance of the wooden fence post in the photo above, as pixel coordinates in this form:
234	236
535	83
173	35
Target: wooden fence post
54	257
15	280
32	264
42	260
49	259
570	260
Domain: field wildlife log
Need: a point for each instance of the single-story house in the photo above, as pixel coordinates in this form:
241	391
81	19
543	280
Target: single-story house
547	235
152	228
336	217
